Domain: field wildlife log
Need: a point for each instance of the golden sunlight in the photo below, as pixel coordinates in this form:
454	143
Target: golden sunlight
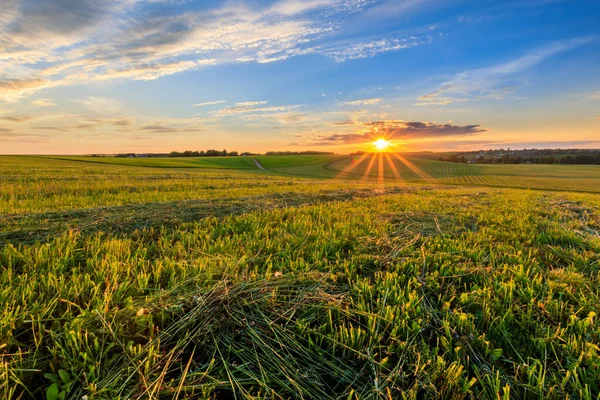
381	144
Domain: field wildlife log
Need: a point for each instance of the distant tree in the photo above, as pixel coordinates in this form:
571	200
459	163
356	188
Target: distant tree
298	153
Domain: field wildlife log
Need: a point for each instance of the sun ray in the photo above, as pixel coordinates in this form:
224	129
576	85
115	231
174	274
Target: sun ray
422	174
392	166
368	170
353	164
380	172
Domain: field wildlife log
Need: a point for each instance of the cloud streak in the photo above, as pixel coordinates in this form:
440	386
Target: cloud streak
362	102
496	82
43	102
364	49
209	103
86	41
250	109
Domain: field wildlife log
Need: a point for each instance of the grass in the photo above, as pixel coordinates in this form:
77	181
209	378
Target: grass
276	162
556	177
283	287
171	162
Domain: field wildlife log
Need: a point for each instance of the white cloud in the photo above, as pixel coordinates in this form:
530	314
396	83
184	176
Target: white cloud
362	102
209	103
494	82
43	102
250	109
353	51
250	103
82	41
11	89
291	7
102	105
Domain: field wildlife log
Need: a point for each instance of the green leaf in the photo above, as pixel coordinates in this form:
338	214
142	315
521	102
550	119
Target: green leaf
64	376
495	354
52	377
52	392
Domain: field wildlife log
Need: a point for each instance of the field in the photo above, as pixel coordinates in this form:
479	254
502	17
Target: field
385	169
315	278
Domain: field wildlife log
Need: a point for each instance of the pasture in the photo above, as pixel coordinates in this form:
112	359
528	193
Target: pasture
318	278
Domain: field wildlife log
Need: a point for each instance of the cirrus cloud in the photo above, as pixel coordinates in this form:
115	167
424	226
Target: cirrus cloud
66	42
43	102
495	82
209	103
362	102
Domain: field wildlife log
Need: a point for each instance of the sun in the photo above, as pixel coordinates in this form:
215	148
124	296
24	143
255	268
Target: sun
381	144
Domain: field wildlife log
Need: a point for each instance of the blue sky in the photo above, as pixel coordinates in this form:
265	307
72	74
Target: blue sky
83	76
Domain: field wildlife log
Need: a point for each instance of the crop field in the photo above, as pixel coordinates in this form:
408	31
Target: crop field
397	168
386	169
180	162
316	278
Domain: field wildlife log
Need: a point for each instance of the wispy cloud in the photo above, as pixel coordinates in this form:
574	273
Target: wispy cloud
128	126
361	102
62	43
209	103
159	129
250	104
101	105
251	109
43	102
16	88
117	122
345	51
9	135
292	7
554	144
146	72
494	82
18	119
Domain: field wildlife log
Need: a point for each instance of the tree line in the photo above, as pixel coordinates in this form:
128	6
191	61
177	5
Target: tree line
217	153
532	156
298	153
202	153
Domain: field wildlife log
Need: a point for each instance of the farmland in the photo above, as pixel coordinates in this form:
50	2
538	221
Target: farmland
386	168
315	278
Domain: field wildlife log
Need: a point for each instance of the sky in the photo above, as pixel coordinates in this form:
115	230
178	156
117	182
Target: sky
111	76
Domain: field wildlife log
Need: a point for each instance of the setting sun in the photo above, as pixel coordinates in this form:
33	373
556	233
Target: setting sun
381	144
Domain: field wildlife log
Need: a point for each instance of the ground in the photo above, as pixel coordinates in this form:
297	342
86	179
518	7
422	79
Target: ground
315	278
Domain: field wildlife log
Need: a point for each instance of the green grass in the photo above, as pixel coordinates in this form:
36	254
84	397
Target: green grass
276	162
556	177
35	184
171	162
126	282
